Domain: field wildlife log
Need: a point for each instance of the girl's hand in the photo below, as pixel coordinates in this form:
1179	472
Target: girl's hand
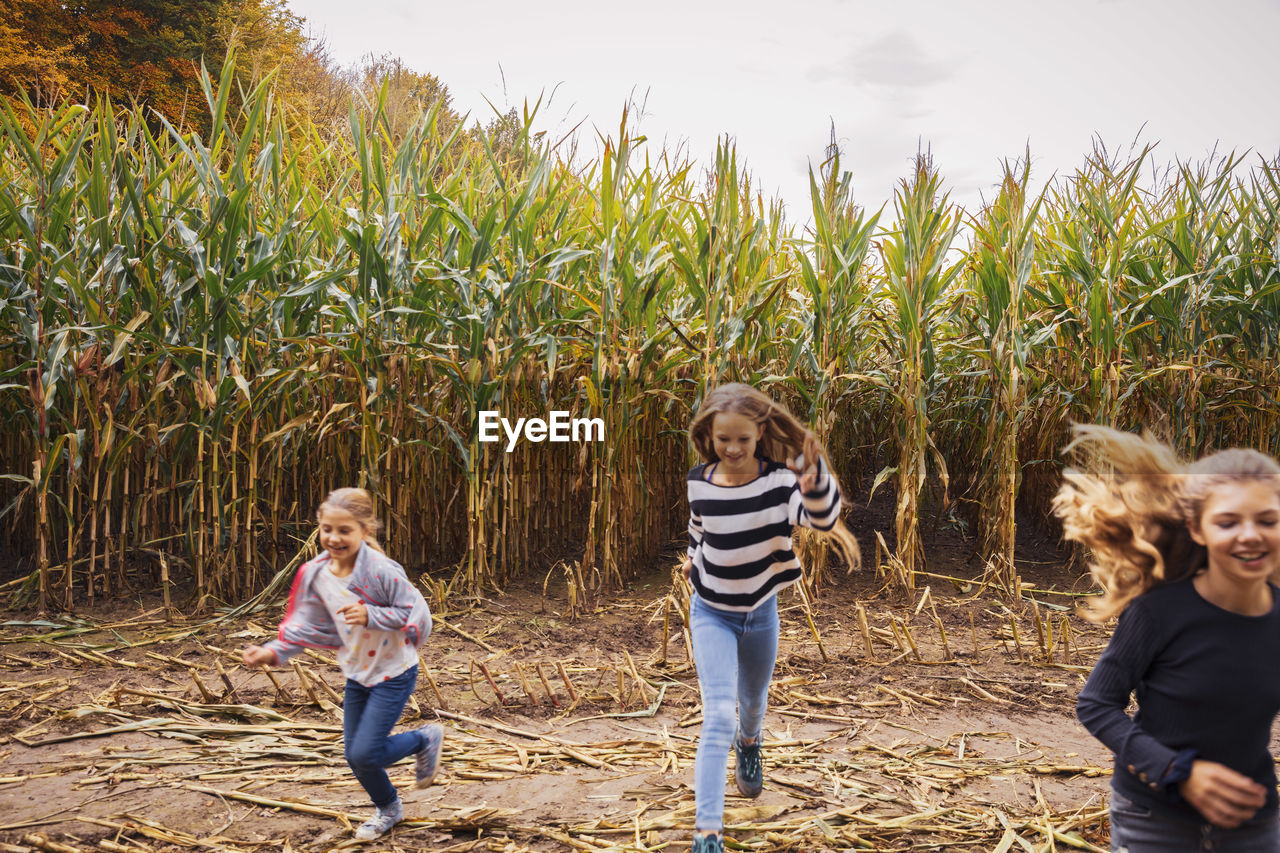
808	477
355	614
686	567
254	656
1225	798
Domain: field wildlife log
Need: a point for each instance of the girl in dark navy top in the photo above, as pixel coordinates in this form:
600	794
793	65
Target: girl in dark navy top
762	474
1184	555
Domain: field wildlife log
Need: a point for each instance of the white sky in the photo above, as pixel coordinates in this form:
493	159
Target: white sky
976	80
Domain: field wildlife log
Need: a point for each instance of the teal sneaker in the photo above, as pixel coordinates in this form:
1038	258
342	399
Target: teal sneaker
748	771
707	844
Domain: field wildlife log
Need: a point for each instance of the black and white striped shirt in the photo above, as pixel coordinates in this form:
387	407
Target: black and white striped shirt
740	536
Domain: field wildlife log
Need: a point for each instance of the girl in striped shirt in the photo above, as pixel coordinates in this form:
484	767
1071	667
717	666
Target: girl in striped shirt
763	473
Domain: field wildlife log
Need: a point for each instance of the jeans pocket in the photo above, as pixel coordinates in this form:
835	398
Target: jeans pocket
1126	807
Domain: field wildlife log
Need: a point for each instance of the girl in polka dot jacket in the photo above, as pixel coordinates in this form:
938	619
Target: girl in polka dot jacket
355	599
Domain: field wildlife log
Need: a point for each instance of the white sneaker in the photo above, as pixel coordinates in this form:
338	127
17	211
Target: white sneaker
381	822
427	761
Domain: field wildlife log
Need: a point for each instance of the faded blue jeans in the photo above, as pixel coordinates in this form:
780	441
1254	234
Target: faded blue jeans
734	653
1134	829
368	715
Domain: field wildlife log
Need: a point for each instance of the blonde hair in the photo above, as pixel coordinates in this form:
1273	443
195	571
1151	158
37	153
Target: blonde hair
359	504
1134	507
784	438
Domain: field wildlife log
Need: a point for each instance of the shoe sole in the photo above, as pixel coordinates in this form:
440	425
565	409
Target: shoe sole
359	837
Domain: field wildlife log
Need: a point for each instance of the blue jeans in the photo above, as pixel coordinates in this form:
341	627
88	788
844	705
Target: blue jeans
1135	829
734	653
368	715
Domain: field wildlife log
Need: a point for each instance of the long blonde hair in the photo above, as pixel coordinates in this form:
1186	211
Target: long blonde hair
1134	506
784	438
359	504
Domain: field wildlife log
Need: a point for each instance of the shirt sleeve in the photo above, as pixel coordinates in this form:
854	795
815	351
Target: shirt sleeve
695	532
306	621
1102	703
695	518
820	508
405	609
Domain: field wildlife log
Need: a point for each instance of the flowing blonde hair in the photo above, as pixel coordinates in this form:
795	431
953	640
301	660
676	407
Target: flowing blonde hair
359	504
783	439
1134	507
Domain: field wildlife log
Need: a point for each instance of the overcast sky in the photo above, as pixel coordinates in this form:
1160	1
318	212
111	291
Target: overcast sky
975	80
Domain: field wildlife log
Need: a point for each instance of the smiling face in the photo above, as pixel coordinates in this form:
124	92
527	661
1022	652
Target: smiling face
341	535
734	438
1240	528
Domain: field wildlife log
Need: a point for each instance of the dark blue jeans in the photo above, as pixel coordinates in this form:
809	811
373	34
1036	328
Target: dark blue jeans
1134	829
368	715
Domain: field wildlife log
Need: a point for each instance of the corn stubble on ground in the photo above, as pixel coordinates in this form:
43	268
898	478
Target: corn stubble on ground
938	722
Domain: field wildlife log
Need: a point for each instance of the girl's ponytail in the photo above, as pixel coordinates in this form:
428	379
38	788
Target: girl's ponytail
1131	504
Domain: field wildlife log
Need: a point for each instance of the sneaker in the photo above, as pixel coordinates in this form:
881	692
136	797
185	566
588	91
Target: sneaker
381	822
707	844
748	771
428	758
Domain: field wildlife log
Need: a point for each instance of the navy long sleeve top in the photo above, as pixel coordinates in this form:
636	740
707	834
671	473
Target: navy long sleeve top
1205	679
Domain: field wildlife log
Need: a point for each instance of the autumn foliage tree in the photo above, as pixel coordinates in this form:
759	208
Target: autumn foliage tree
150	52
37	50
143	50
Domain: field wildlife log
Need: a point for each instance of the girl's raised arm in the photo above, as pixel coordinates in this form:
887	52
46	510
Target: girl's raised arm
816	501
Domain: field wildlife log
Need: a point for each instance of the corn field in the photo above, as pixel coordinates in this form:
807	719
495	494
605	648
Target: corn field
201	337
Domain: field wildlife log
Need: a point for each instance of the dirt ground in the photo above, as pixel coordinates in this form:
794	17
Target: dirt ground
573	734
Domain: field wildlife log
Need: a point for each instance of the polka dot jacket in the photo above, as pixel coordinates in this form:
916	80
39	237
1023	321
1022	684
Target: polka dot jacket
399	620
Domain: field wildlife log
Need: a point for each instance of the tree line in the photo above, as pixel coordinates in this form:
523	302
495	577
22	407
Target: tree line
149	53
